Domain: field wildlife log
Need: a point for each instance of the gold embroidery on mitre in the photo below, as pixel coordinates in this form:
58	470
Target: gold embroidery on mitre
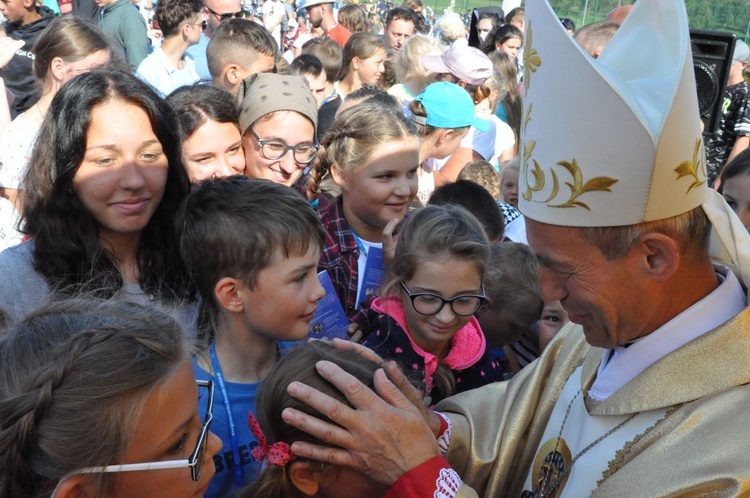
552	460
687	168
577	186
531	60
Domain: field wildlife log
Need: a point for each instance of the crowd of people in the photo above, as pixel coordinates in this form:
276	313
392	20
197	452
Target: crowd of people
509	234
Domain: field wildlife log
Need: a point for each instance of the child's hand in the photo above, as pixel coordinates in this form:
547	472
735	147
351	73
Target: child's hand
355	333
389	242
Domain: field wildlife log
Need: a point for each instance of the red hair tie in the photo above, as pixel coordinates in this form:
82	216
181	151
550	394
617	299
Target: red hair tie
279	453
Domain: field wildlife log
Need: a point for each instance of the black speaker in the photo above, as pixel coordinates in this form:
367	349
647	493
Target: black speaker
712	58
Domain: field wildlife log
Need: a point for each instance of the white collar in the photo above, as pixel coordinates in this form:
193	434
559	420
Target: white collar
621	365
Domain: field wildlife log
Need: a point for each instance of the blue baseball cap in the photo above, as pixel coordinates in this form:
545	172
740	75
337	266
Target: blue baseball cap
448	106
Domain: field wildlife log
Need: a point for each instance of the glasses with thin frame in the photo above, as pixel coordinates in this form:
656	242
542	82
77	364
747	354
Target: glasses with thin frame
203	24
240	14
273	150
427	303
195	462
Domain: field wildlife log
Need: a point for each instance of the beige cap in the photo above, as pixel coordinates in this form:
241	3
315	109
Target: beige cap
264	93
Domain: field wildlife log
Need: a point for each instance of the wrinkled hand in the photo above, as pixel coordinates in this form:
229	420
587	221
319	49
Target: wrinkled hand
384	436
397	377
8	48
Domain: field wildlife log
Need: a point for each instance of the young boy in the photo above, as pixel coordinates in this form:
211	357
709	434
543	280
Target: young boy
252	247
313	71
167	68
239	48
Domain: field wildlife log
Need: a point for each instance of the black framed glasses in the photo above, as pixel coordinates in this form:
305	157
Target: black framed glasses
240	14
195	462
273	150
427	303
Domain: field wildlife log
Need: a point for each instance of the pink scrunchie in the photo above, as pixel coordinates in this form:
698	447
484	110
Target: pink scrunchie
279	453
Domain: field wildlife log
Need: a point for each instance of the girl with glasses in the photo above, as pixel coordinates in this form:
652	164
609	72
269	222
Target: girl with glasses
98	398
425	317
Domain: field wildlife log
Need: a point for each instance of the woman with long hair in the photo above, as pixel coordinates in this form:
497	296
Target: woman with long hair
103	184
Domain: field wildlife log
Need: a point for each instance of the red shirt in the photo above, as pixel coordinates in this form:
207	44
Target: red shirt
339	34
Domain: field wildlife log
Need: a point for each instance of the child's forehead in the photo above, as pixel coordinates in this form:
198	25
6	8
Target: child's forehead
292	254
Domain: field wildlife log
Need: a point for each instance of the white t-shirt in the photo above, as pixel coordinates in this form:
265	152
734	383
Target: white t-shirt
16	145
274	11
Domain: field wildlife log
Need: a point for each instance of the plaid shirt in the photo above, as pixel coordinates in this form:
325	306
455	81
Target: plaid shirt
340	255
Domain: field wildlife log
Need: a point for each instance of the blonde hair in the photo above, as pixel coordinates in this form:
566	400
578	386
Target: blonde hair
409	66
354	135
451	27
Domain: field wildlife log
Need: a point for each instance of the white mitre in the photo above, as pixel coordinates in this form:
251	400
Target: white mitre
616	140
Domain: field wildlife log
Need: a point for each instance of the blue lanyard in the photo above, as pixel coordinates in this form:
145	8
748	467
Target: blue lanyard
228	407
359	243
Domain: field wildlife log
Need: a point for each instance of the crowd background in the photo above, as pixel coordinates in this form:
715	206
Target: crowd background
263	154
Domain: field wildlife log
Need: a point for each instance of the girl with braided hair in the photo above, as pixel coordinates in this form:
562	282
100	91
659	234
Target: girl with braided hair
372	153
98	398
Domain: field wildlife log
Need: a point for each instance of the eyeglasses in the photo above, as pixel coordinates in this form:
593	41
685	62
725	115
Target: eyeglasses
240	14
273	150
195	462
203	24
427	303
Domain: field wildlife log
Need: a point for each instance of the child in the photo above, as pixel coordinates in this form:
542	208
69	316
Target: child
284	476
734	185
252	247
442	113
509	182
482	172
425	318
554	318
239	48
211	138
90	390
312	70
514	305
478	201
362	63
167	68
371	153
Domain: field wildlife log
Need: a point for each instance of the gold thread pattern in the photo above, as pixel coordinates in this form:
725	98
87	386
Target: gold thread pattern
619	459
531	60
578	188
687	168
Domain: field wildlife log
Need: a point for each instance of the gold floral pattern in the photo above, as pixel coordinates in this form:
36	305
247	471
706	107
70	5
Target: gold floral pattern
531	59
577	186
687	168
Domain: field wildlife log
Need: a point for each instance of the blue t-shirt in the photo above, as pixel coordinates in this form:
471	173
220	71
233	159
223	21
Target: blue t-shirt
242	401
